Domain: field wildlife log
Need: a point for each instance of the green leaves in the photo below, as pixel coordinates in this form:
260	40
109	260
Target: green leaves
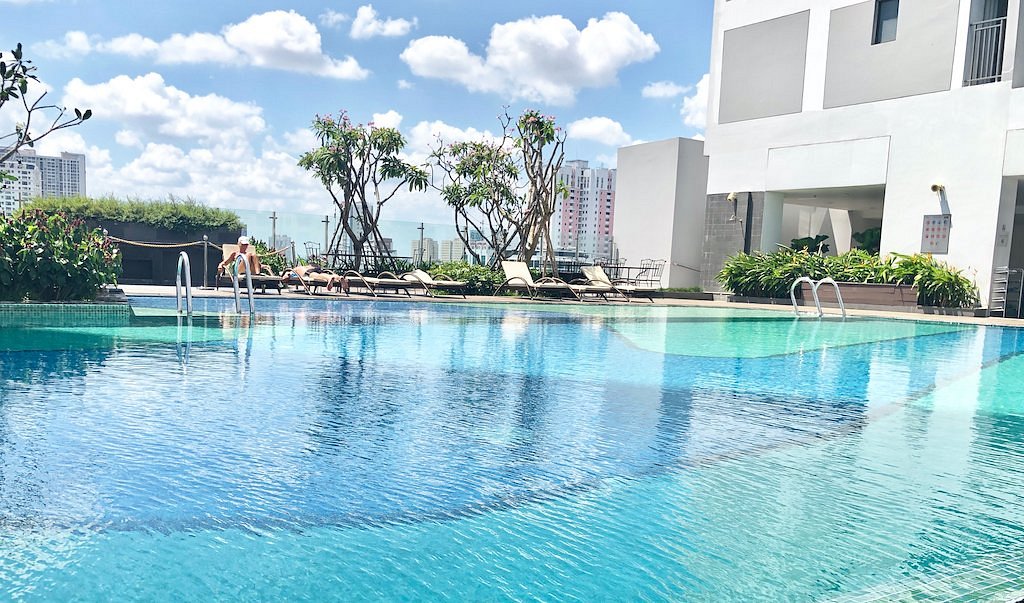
772	274
179	215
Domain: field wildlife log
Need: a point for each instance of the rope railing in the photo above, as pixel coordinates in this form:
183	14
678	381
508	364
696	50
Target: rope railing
280	251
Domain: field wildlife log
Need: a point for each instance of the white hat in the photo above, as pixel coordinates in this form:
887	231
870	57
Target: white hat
243	240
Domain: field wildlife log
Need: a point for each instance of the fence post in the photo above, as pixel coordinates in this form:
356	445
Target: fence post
206	249
294	263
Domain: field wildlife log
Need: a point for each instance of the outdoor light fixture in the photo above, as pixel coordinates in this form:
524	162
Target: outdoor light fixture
732	199
938	188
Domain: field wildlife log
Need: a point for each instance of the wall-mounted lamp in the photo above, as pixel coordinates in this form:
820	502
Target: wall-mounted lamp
938	188
732	199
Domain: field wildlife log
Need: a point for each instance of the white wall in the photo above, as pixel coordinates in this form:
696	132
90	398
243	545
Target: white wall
659	207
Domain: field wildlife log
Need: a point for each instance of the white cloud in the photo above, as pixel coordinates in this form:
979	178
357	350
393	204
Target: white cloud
698	137
405	85
695	106
147	104
128	138
332	18
367	25
538	59
274	40
664	89
391	119
599	129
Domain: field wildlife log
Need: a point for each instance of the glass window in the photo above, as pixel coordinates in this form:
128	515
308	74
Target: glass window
886	13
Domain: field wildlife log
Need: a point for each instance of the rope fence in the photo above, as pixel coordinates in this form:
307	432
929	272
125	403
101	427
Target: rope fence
280	251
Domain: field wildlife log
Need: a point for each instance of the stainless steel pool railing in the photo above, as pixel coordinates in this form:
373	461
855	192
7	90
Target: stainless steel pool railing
183	263
243	260
814	294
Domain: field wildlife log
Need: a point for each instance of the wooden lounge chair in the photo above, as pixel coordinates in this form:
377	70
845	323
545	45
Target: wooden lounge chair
431	284
384	282
518	277
260	280
595	275
311	278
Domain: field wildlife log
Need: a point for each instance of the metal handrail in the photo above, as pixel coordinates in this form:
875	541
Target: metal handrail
814	294
985	46
183	262
243	260
839	296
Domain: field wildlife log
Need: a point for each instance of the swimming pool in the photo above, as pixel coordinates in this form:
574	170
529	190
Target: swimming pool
368	451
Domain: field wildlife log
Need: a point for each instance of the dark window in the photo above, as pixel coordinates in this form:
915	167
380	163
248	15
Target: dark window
886	13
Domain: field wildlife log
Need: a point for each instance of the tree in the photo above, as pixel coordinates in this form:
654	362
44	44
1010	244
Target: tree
17	74
361	169
542	145
481	184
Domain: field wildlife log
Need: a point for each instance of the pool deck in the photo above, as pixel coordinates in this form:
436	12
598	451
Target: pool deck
169	291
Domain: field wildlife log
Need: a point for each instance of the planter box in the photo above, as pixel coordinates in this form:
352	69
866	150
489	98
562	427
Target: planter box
864	294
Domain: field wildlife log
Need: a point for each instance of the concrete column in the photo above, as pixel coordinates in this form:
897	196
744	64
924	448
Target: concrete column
771	223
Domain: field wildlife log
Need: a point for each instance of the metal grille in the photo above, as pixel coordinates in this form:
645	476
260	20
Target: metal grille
985	43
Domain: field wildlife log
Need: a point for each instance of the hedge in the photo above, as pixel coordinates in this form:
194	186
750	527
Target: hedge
179	215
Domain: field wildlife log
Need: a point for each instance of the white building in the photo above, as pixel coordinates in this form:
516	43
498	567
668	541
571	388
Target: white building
40	176
661	195
836	116
583	222
452	250
426	253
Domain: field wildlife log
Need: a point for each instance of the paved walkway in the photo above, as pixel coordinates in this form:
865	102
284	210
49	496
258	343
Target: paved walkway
168	291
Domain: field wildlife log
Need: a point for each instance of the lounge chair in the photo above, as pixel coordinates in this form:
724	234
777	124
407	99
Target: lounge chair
260	280
595	275
311	278
431	284
518	277
385	281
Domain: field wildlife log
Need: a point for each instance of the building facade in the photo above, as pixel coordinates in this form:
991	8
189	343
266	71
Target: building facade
584	219
452	250
840	116
40	176
425	252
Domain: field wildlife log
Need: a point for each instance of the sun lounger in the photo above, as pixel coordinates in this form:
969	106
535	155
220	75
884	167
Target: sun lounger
384	282
430	283
311	278
595	275
260	281
518	277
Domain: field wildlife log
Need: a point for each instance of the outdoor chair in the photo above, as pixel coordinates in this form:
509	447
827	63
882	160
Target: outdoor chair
260	280
384	282
650	272
431	284
311	278
595	275
518	277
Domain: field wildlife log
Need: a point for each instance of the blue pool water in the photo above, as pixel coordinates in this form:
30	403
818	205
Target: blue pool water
402	451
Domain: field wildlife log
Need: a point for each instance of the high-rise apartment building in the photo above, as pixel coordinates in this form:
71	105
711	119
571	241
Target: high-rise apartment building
40	176
583	220
426	253
452	250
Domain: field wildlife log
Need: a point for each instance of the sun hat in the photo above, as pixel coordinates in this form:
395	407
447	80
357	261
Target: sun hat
243	240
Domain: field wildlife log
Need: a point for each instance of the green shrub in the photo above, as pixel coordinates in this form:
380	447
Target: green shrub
481	279
813	244
275	261
51	257
772	274
869	240
179	215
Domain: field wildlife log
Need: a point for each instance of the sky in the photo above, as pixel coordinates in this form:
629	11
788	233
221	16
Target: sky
213	100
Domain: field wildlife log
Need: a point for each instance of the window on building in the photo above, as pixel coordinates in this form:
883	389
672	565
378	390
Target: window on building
886	13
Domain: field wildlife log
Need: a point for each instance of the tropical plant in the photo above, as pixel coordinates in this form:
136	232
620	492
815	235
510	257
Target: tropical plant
481	280
815	244
542	145
52	257
17	76
772	274
361	168
275	261
175	214
869	240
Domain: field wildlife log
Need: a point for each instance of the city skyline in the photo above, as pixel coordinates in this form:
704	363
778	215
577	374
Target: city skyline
214	102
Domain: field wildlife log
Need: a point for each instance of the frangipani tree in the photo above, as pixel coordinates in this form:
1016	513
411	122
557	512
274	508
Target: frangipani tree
361	168
542	145
17	77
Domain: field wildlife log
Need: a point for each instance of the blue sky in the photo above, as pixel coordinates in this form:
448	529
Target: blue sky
213	99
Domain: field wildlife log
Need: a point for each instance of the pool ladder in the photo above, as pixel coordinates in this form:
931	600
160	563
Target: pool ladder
183	266
814	293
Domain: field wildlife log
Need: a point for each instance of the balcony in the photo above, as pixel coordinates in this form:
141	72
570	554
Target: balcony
985	43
